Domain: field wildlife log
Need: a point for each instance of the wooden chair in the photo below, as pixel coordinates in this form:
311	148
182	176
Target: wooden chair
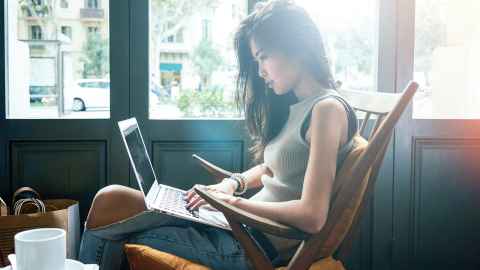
353	186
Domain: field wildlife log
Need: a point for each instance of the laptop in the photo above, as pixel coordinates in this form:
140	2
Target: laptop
161	198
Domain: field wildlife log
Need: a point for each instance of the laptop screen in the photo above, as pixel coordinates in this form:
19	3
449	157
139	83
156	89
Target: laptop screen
139	156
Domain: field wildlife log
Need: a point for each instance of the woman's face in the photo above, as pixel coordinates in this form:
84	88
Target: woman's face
280	73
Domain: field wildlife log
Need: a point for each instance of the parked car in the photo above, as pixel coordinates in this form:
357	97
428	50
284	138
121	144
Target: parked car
158	90
88	94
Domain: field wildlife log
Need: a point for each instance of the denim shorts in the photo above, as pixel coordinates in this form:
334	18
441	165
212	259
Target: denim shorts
213	247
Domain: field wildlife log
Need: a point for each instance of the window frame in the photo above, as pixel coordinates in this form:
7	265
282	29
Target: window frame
383	46
11	13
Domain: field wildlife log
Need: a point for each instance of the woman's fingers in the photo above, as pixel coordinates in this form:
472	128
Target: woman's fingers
194	201
196	205
191	193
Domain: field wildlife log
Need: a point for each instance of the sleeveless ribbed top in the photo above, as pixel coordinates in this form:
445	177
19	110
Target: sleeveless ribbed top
287	155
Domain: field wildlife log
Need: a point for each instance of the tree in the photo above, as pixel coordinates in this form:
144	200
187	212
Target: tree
95	56
430	33
169	17
206	60
354	49
208	103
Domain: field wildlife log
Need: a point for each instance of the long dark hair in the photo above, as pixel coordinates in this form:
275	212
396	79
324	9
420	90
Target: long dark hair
278	25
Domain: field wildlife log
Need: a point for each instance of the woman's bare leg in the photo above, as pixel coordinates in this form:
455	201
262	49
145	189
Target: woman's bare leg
114	203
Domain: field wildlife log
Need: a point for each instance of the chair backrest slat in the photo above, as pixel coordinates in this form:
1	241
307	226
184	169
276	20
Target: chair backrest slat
370	101
378	121
356	178
364	123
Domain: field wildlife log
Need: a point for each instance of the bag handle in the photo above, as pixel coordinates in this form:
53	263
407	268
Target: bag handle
25	192
3	212
25	196
17	208
3	208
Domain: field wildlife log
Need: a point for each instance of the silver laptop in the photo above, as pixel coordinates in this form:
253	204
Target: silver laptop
158	197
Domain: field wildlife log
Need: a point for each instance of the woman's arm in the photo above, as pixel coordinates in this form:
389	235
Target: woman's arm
252	178
327	130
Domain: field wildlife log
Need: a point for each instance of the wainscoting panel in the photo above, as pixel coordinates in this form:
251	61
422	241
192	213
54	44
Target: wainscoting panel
60	169
175	166
445	208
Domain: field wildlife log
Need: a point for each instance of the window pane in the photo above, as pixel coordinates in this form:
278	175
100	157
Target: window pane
192	60
447	53
350	35
64	3
53	48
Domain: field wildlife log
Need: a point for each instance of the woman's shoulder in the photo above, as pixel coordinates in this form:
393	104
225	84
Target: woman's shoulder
331	108
333	111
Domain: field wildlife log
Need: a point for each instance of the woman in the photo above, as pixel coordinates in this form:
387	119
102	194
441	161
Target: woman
302	131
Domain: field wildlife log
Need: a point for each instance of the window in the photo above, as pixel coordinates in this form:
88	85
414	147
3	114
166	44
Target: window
234	10
94	84
64	3
192	61
44	66
175	38
92	29
35	32
351	39
447	52
67	31
92	3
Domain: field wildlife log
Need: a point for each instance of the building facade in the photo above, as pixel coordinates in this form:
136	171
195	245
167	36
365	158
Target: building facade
61	31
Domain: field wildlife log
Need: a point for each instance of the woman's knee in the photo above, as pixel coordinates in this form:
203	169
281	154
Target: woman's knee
115	196
113	203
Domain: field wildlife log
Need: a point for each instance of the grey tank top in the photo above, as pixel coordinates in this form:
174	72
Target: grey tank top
287	156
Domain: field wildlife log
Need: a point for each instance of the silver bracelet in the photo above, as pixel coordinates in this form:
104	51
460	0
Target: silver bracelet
242	183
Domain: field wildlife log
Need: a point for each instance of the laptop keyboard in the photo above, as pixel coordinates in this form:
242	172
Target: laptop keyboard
173	200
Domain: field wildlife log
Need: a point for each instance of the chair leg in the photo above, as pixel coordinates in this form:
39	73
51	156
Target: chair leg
255	253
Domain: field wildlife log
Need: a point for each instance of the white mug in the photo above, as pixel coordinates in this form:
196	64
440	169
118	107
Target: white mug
41	249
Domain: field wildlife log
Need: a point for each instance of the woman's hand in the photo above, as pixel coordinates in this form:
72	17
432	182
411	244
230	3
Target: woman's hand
223	191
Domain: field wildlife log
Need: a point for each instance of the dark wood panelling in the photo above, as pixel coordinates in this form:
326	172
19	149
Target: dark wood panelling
60	169
3	134
381	233
175	166
445	203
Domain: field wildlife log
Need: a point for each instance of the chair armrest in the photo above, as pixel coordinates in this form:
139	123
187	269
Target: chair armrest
217	172
260	223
